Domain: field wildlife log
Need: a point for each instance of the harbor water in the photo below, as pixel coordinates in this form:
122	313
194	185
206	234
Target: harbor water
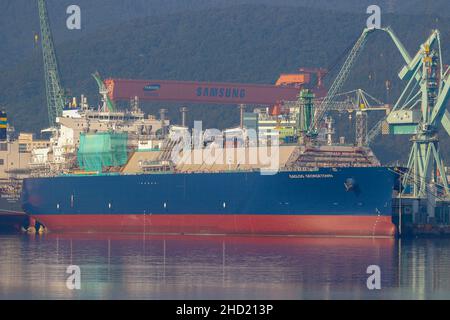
192	267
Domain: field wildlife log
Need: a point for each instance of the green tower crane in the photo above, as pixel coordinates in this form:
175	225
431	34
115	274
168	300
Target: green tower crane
56	98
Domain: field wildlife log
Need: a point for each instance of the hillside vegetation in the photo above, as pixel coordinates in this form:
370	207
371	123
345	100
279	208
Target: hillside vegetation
244	43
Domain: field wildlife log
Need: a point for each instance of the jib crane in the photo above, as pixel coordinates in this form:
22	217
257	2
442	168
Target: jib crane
419	110
362	103
327	102
56	98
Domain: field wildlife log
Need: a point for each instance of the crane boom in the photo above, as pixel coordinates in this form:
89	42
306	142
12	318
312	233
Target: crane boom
399	45
108	103
446	121
411	69
54	91
441	103
341	78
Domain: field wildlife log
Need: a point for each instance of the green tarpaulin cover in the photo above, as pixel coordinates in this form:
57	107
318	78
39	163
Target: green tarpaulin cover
101	150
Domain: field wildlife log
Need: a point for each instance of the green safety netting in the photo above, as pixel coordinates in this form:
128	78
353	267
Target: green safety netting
101	150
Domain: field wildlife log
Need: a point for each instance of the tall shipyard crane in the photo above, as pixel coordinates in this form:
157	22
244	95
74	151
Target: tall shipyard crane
419	111
55	94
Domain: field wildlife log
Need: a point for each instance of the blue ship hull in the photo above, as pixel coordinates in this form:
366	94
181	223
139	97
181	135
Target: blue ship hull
343	201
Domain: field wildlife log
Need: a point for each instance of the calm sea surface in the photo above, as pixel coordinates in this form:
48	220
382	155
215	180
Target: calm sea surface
186	267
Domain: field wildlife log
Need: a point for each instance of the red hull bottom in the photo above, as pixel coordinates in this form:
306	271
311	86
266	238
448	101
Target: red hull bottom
317	225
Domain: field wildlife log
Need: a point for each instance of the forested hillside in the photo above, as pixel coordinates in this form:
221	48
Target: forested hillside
19	18
245	43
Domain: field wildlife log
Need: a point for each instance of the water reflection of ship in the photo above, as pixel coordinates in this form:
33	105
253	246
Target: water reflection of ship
139	266
288	266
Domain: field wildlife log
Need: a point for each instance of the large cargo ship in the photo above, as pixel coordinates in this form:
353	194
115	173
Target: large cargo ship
333	201
140	181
